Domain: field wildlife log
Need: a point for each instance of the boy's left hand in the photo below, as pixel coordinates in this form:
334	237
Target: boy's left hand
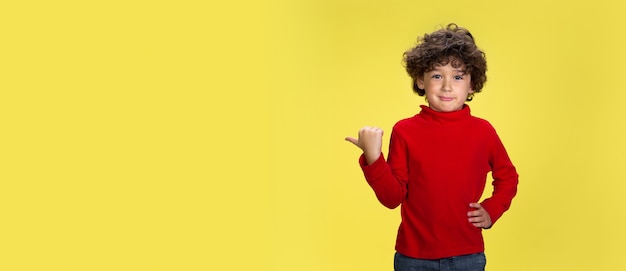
479	217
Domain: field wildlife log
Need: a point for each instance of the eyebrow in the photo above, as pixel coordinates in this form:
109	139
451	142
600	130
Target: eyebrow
463	71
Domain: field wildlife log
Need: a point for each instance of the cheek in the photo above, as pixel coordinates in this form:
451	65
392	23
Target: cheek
430	91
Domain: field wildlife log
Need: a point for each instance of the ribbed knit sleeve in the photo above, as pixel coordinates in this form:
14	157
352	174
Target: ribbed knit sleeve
389	178
505	180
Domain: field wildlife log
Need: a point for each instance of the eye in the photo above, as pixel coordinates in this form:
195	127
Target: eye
458	77
436	76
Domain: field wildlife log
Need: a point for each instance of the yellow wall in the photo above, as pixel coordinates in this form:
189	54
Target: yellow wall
180	135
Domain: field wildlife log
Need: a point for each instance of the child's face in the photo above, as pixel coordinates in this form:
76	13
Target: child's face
446	87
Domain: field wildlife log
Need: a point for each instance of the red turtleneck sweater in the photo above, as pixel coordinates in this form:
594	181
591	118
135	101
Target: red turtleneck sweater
437	165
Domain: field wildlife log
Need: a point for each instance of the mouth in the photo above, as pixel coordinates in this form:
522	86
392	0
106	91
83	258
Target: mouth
446	99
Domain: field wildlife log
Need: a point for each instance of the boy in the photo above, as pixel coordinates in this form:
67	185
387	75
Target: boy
439	160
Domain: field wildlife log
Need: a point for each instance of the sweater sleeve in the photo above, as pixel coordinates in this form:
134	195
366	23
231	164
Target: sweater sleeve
388	178
505	180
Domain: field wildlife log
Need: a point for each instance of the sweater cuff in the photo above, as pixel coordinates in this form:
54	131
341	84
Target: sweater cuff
493	212
374	170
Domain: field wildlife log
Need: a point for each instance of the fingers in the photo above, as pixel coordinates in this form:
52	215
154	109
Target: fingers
476	214
479	221
370	138
367	130
480	217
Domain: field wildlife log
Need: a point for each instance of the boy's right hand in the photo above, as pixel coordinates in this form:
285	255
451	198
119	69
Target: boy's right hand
370	141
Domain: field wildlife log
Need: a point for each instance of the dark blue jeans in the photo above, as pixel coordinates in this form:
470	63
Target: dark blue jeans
472	262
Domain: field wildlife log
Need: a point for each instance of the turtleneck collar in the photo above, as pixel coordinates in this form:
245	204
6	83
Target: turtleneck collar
429	113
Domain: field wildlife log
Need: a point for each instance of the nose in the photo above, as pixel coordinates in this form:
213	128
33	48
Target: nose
447	85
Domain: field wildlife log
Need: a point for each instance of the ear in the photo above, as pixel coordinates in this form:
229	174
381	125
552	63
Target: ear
420	82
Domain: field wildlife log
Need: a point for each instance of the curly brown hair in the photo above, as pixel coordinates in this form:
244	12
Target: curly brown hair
454	45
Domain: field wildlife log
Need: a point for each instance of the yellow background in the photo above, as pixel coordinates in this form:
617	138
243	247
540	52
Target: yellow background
192	135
